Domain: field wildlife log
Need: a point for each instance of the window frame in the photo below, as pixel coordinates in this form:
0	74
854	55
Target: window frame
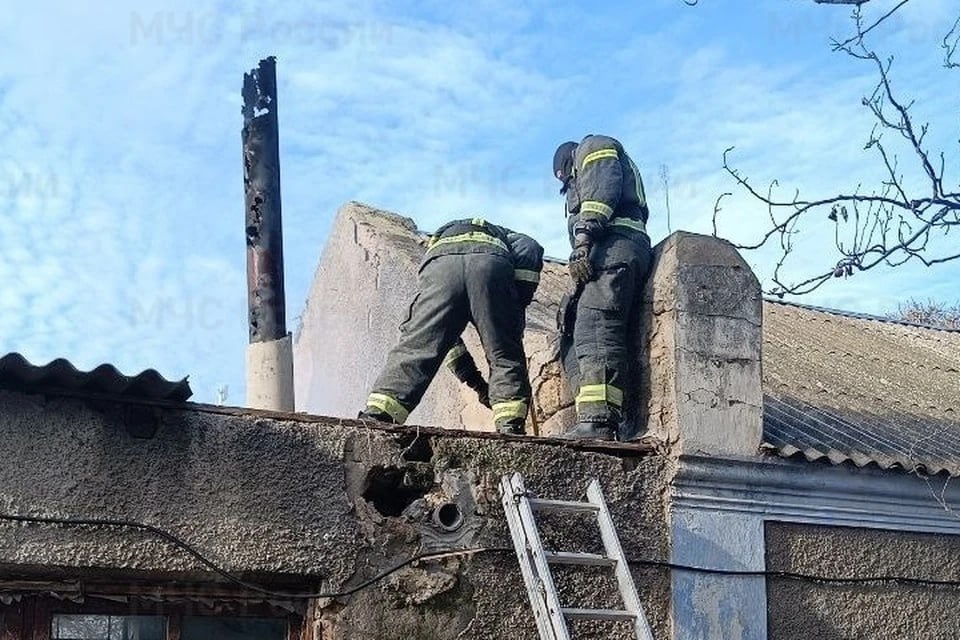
32	617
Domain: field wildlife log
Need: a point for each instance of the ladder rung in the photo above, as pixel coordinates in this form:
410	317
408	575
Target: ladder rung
598	614
563	505
590	559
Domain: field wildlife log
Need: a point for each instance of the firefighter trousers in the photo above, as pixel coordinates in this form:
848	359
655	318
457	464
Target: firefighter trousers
455	290
600	343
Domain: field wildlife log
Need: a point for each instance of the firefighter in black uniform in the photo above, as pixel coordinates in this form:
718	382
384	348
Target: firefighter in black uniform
474	272
606	218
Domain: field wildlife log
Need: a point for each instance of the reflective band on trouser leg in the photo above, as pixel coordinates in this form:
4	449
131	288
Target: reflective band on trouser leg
606	393
455	354
598	155
526	275
389	406
595	209
509	410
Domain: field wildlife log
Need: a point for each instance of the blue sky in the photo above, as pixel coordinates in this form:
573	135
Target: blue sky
121	175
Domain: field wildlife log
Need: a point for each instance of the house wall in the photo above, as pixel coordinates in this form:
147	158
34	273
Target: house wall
319	503
742	518
808	609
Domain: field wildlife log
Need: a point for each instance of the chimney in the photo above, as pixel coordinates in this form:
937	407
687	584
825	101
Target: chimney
270	353
702	380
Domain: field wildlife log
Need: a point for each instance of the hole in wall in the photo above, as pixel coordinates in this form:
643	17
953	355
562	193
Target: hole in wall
415	447
448	516
391	489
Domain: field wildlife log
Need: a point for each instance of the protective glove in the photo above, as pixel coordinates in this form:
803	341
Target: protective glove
579	265
483	394
476	382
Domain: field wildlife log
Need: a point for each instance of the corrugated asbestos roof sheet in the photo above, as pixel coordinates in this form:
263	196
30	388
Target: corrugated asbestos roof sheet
19	374
852	388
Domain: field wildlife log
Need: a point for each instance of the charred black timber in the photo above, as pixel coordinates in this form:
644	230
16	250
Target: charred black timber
261	186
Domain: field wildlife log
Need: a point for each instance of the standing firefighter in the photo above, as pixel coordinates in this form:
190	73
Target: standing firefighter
606	219
475	272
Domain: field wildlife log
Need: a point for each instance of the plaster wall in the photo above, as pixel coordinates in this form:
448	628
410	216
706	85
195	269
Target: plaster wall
314	501
758	515
805	609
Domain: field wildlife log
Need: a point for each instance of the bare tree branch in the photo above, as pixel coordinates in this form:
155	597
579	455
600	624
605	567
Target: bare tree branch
950	42
860	31
929	312
717	209
890	224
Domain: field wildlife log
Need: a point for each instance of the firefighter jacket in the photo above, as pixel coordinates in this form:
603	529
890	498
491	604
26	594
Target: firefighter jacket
606	192
476	235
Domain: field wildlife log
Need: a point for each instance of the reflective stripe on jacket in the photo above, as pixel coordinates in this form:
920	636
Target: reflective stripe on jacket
606	188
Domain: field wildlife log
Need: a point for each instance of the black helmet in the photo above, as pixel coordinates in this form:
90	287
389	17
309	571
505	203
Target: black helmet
563	160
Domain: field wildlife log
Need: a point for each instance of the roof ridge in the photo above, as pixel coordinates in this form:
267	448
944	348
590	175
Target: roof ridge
858	315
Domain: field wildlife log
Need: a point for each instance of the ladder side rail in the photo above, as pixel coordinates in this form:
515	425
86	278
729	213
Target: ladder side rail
614	550
530	578
554	608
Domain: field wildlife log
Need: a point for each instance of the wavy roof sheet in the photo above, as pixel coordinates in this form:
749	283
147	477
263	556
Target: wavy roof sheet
852	388
17	373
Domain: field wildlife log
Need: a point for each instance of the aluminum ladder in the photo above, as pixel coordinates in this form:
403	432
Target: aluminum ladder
551	617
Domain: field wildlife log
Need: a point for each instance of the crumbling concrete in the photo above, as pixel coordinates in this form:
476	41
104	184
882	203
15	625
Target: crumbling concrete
701	383
315	504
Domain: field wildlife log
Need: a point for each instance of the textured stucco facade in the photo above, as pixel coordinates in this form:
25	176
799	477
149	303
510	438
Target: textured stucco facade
298	502
313	503
880	609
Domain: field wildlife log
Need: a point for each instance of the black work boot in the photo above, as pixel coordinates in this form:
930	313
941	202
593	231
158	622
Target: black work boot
372	414
511	428
591	431
627	429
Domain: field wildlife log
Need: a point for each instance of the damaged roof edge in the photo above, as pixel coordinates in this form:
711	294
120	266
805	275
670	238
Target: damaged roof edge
407	432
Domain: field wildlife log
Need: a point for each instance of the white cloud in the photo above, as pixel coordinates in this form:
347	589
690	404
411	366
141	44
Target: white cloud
136	254
121	184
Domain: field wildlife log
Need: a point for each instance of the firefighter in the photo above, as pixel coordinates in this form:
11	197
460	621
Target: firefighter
475	272
606	219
